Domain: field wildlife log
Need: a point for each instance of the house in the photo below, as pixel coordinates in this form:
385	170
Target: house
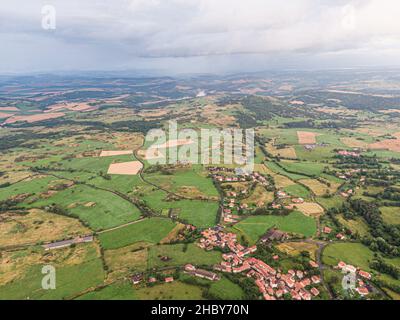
309	147
261	285
340	236
316	279
190	267
137	278
363	291
228	256
281	194
305	295
364	274
295	295
279	293
223	268
314	291
169	279
268	297
152	280
348	154
327	230
274	235
276	206
298	200
350	268
204	274
313	264
305	282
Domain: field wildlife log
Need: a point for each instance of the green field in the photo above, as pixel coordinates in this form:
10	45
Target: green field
390	215
199	213
288	136
180	254
109	210
34	186
359	256
331	138
277	169
121	183
225	289
351	253
70	281
318	154
306	168
332	202
357	225
296	222
150	230
193	177
171	291
115	291
297	191
93	164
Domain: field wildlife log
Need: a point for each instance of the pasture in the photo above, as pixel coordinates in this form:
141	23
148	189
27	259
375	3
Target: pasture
225	289
126	260
296	248
297	223
199	213
351	253
78	268
181	254
306	168
195	177
117	291
391	215
37	226
151	230
297	190
108	209
319	188
171	291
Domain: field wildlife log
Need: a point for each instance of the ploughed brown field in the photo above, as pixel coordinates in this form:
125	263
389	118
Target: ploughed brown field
9	109
306	137
308	208
125	168
172	144
115	153
84	106
389	144
5	115
35	117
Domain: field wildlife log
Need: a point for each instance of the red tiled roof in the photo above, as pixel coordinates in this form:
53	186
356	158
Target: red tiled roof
314	291
364	274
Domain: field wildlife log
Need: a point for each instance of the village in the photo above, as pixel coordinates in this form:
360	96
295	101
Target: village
272	283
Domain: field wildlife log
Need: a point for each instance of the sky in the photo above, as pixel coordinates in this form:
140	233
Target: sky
197	36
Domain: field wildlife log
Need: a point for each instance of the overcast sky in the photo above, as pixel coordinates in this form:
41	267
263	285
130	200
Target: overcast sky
185	36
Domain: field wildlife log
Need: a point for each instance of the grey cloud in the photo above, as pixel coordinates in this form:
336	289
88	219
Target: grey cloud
123	32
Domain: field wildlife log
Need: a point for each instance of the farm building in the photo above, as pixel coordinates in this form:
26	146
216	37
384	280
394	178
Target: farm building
274	235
